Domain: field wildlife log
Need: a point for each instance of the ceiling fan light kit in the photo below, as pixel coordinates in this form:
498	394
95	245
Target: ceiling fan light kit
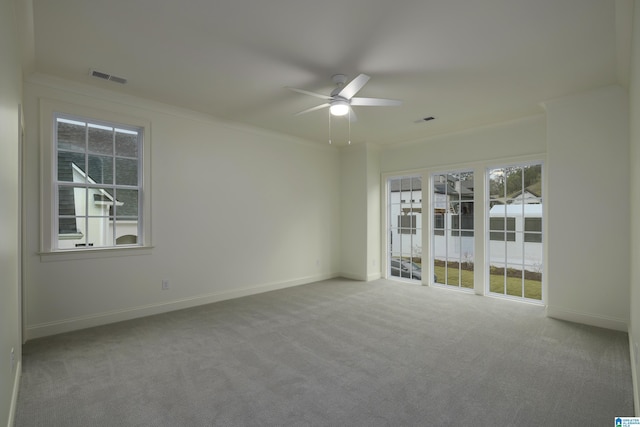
341	100
339	108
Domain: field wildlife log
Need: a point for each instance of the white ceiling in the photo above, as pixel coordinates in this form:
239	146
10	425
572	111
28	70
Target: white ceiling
466	62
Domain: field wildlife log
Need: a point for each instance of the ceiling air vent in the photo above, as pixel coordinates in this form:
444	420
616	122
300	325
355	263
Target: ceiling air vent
105	76
424	119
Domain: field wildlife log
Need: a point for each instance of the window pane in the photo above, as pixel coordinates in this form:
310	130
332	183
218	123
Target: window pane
407	224
533	224
395	264
125	239
70	233
496	184
71	200
533	237
127	204
66	205
126	144
453	186
497	278
101	169
66	171
395	240
405	184
466	216
438	223
514	182
533	180
514	280
100	232
452	274
496	223
100	140
533	271
126	172
71	135
497	235
67	226
455	222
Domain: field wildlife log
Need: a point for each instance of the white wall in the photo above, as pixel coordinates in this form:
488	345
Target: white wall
235	211
634	328
360	207
353	201
501	141
10	99
588	207
373	213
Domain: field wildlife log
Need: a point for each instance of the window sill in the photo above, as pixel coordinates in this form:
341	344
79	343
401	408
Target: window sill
80	254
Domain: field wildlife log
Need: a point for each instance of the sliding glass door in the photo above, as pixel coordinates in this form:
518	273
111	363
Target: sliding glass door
404	227
452	237
515	231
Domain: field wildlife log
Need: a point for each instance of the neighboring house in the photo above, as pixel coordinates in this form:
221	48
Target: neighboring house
511	226
87	213
453	223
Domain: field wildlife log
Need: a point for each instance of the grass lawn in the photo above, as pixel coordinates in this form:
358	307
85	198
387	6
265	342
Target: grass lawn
532	288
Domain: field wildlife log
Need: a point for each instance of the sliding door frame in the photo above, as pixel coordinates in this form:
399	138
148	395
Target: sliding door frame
481	220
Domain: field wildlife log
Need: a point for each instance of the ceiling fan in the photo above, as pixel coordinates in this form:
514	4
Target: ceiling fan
341	100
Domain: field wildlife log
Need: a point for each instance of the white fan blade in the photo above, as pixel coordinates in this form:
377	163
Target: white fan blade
375	102
317	107
354	86
306	92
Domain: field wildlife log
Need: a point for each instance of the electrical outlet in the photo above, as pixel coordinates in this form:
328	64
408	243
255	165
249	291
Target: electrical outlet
13	359
165	284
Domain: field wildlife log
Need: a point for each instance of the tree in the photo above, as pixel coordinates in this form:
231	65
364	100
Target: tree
507	181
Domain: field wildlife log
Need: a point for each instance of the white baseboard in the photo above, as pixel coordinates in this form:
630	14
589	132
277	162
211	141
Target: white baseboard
374	276
588	319
14	395
354	276
83	322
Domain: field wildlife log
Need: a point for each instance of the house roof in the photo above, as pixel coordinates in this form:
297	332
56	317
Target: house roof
467	63
448	187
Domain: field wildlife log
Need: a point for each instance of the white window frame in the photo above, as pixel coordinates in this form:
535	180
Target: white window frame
49	110
486	203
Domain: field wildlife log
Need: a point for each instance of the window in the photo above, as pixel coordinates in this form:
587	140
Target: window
533	230
407	224
498	230
515	231
97	183
453	229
